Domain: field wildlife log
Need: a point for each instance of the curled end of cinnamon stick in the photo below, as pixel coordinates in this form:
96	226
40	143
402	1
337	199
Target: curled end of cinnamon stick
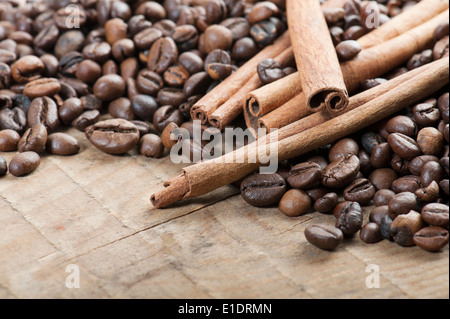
198	114
175	190
333	100
253	106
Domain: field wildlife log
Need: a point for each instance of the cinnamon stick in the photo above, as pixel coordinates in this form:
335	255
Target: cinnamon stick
369	63
207	176
320	74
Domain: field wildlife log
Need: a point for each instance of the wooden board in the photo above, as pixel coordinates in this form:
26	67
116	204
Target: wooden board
92	211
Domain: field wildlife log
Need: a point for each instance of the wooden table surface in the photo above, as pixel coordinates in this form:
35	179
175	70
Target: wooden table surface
92	211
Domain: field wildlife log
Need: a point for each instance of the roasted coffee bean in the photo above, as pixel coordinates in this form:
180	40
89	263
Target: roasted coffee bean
402	124
33	139
405	226
444	185
149	82
419	59
244	49
404	146
121	108
369	140
219	71
295	202
217	37
51	64
185	37
430	141
109	87
8	140
175	76
264	32
27	68
62	144
65	19
24	163
262	189
378	213
91	102
269	71
343	147
72	40
402	203
349	218
305	175
323	236
436	214
165	115
143	127
7	56
429	193
426	114
3	166
360	191
169	136
144	106
122	49
444	161
47	37
431	171
400	165
316	193
163	53
191	62
443	104
370	233
68	64
115	29
416	164
152	10
146	37
129	68
408	183
70	110
88	71
14	119
364	162
97	51
43	110
371	83
347	50
381	155
5	102
382	197
165	26
326	203
116	136
341	171
238	26
196	84
151	145
170	96
440	49
217	56
5	76
80	87
86	119
385	227
431	238
42	87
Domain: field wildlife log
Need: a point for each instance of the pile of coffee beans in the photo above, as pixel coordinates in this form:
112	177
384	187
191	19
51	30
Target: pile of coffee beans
120	71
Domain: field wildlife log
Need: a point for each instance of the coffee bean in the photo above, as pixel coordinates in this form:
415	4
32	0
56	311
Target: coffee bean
405	226
27	68
7	56
14	119
151	145
72	40
42	87
238	26
343	147
326	203
349	218
316	193
408	183
378	213
62	144
185	37
170	96
400	165
97	51
162	54
70	110
323	236
219	71
443	104
88	71
5	76
305	175
122	49
197	84
8	140
416	165
369	140
33	139
63	17
263	189
385	227
121	108
24	163
191	62
381	155
402	124
153	11
404	146
86	119
431	238
347	50
47	37
143	127
402	203
341	171
168	136
436	214
144	106
426	114
68	64
146	37
91	102
269	71
444	185
217	37
370	233
444	161
244	48
431	171
109	87
383	196
3	166
116	136
149	82
165	115
430	141
361	191
264	32
294	203
175	76
45	111
419	59
115	29
429	193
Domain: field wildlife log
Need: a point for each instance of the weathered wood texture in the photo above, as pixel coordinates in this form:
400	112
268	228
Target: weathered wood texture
92	210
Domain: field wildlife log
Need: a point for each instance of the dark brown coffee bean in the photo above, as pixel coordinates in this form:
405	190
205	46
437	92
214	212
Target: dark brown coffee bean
381	155
14	119
97	51
80	87
88	71
152	10
7	56
238	26
116	136
122	49
33	139
444	161
383	196
305	175
62	144
72	40
151	145
109	87
269	71
323	236
402	124
405	226
27	68
409	183
426	114
143	127
175	76
91	102
68	64
165	26
431	238
170	135
144	106
385	227
24	163
45	111
347	50
115	29
170	96
429	193
369	140
431	171
443	104
86	119
162	54
42	87
378	213
121	108
185	37
191	62
416	164
371	83
349	218
361	191
219	71
3	166
419	59
264	32
402	203
165	115
436	214
47	37
444	185
430	141
404	146
354	32
316	193
400	165
217	37
5	102
149	82
326	203
68	18
244	49
70	110
370	233
341	171
196	84
262	189
5	76
146	37
295	202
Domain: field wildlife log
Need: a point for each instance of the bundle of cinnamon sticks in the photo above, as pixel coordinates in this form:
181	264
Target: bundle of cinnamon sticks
305	104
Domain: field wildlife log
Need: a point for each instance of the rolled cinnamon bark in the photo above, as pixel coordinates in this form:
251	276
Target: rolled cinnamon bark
369	63
319	71
207	176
